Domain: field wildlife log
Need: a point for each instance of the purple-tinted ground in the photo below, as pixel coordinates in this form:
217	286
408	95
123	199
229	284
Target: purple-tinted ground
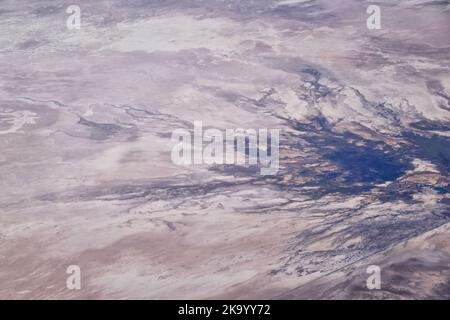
86	176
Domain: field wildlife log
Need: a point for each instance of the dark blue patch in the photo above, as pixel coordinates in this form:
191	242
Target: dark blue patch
434	148
366	164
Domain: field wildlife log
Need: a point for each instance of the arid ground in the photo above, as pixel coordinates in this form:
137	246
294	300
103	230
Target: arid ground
87	179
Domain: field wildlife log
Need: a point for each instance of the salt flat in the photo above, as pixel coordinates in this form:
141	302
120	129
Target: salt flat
86	118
